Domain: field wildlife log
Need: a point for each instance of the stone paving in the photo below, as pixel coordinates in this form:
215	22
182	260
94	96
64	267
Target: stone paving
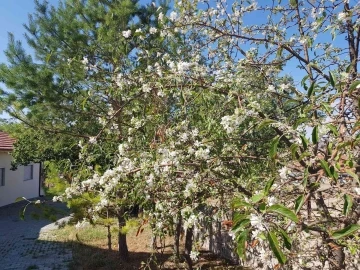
26	245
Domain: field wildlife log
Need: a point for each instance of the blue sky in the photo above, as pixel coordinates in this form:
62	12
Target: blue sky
13	14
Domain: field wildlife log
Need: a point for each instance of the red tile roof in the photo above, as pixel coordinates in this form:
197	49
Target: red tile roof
6	142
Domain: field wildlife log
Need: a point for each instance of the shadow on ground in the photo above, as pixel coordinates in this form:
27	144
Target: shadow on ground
20	247
32	243
91	258
88	257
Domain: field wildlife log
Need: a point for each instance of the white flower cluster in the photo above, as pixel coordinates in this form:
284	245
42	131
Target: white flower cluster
127	33
232	122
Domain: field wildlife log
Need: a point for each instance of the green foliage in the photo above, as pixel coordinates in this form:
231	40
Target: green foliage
169	112
348	230
55	184
80	204
284	211
299	202
348	203
274	245
241	243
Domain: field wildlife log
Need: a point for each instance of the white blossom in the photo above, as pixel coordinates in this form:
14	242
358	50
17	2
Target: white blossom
152	30
342	16
173	16
146	88
92	140
194	255
126	34
85	61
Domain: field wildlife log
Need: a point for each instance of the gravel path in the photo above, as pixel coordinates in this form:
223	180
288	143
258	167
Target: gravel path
26	245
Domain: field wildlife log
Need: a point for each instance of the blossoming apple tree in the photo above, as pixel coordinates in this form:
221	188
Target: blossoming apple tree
247	107
299	209
305	209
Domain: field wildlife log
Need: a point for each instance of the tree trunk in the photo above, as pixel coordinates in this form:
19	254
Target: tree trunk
336	255
188	246
123	249
177	237
109	237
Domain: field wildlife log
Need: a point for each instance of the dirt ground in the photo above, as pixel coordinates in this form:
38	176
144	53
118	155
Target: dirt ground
90	251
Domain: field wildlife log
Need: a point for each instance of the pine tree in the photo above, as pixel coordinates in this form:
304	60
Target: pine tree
73	84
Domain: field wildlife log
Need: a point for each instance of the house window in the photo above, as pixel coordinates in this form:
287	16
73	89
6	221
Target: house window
28	172
2	176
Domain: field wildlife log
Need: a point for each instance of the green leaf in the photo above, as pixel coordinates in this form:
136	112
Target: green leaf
299	203
269	185
287	240
353	86
284	211
238	217
83	103
294	147
325	166
273	147
315	135
19	199
274	245
239	226
257	197
333	129
348	68
238	203
311	89
22	214
48	56
306	175
348	230
332	81
348	203
304	155
293	3
334	173
304	142
303	82
351	164
262	207
327	107
265	123
241	243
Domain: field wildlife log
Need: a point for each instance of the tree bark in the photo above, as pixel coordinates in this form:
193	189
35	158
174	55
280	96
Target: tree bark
109	237
188	246
123	249
177	237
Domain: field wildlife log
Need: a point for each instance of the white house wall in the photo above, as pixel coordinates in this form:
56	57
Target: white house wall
15	186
